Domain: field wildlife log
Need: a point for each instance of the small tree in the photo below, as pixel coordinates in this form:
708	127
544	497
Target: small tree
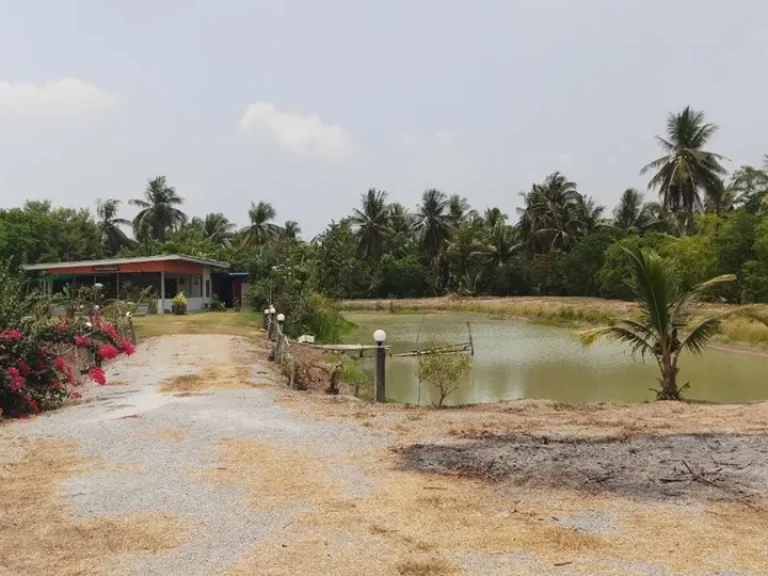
443	371
662	331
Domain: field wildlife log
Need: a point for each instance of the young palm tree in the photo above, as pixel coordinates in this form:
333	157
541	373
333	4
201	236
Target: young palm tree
631	215
401	222
261	229
291	229
686	170
433	222
159	214
112	236
662	329
588	213
216	227
553	215
466	251
493	217
720	198
458	209
371	223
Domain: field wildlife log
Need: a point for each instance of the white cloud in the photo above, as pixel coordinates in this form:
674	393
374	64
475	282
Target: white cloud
300	134
63	98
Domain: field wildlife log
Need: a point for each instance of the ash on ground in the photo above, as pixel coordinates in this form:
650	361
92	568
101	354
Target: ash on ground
700	466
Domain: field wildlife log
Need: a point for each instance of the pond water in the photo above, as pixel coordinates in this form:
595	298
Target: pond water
520	360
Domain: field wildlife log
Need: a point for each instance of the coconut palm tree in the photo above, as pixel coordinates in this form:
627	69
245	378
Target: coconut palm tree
494	216
371	223
662	329
632	215
551	218
588	213
112	236
751	187
401	222
433	222
720	198
216	227
458	209
261	229
466	251
159	214
291	229
686	169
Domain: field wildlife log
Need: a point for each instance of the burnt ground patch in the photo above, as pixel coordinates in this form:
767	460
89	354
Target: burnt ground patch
701	466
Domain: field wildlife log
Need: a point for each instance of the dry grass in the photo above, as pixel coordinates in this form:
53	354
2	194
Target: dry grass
561	311
38	533
435	567
223	376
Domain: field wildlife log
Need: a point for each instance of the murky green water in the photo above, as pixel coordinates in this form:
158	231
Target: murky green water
519	360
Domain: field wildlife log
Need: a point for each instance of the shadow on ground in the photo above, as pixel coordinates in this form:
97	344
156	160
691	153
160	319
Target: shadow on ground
702	466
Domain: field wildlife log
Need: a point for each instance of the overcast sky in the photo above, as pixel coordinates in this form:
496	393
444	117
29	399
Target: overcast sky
306	103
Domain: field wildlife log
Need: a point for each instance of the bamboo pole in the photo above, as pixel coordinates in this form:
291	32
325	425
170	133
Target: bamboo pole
471	343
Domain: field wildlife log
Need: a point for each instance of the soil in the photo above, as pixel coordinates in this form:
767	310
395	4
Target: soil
729	467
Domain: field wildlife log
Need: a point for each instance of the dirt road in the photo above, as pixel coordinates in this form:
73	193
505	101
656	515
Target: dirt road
195	460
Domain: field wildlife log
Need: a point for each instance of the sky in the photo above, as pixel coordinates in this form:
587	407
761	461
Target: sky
306	104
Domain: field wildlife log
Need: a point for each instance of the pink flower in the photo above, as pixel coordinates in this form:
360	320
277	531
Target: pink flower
69	374
97	375
82	341
108	352
13	372
58	363
18	384
11	335
127	347
76	394
110	331
32	403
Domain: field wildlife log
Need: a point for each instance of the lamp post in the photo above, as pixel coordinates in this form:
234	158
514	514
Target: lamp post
266	318
271	323
380	336
279	335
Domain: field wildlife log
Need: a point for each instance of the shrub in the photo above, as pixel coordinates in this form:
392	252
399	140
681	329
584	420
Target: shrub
179	304
34	372
444	371
217	305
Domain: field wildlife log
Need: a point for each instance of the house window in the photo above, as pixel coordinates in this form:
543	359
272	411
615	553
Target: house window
207	288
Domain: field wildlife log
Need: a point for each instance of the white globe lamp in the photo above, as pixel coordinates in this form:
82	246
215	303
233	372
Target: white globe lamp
380	336
281	317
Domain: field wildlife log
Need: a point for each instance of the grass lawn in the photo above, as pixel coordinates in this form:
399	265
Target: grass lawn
234	323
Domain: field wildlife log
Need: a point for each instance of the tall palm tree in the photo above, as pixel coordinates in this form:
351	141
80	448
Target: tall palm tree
400	220
433	222
159	214
632	215
686	169
551	216
261	229
465	251
494	216
662	330
217	228
588	213
291	229
720	198
112	236
458	209
371	223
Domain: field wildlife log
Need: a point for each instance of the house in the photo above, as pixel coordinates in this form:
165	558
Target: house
167	275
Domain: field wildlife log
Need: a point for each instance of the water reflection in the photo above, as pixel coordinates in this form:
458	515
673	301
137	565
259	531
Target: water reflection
519	360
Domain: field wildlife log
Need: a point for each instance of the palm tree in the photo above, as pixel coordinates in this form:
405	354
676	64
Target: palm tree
112	236
458	209
159	214
494	216
551	218
686	170
588	213
371	223
216	227
720	198
465	252
631	215
261	229
291	229
400	220
751	186
433	222
664	314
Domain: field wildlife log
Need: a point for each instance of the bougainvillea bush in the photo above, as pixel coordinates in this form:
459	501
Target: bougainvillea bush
36	372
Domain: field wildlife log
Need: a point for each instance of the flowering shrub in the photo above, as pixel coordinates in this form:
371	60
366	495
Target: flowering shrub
34	377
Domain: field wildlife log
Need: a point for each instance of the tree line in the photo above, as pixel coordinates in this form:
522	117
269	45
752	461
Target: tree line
705	220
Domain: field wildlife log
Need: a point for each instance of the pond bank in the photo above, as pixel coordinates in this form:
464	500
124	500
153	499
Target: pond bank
739	333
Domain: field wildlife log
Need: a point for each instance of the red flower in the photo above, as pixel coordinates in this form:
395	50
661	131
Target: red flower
11	335
97	375
76	394
110	331
18	384
70	374
24	368
82	341
127	347
32	403
108	352
58	363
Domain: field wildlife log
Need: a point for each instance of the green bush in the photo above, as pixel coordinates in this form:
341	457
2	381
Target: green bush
444	371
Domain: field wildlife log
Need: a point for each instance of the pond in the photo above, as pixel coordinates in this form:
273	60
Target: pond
516	360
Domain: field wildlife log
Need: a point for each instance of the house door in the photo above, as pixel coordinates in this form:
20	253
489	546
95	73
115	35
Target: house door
171	287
